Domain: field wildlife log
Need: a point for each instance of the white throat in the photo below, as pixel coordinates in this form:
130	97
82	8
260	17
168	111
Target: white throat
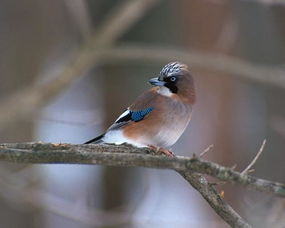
164	91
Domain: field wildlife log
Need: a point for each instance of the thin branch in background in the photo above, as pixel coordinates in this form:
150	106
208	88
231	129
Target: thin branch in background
118	22
268	75
248	168
80	17
29	100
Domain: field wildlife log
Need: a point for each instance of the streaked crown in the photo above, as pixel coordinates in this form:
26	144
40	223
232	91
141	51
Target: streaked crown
172	68
179	81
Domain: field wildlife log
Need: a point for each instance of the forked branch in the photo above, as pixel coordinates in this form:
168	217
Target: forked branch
127	156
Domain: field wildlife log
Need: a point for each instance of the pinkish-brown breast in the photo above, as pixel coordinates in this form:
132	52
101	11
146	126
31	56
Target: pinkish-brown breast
164	125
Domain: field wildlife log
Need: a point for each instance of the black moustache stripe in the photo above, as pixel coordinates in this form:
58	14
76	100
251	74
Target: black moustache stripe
171	86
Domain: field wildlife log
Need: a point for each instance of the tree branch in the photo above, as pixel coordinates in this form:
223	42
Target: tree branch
127	156
124	156
208	192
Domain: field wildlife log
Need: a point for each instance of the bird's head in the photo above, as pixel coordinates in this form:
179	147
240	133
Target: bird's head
175	81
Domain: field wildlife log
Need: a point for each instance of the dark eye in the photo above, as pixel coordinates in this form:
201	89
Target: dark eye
172	79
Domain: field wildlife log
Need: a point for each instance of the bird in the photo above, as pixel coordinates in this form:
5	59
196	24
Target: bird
159	116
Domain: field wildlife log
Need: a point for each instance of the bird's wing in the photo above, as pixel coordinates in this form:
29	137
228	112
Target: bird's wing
131	116
127	117
138	111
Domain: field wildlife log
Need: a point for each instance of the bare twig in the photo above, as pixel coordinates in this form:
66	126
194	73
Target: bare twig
29	100
206	151
247	169
127	156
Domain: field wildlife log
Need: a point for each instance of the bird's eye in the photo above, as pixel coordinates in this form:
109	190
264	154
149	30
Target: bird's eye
172	79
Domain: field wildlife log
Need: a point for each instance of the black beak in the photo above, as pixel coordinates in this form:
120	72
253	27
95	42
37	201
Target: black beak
156	82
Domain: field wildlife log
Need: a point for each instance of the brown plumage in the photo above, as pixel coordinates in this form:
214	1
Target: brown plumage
164	125
160	115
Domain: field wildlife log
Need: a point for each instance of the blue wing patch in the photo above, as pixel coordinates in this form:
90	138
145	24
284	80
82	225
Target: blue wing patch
139	115
134	115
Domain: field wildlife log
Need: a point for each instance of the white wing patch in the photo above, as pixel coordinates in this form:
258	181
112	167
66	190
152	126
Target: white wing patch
125	113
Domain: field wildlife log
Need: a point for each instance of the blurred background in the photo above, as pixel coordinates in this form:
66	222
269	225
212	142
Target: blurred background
239	104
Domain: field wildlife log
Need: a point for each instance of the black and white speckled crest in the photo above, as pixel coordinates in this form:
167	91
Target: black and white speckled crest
172	69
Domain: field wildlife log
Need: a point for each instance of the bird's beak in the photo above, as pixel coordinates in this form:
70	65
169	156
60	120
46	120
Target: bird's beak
156	82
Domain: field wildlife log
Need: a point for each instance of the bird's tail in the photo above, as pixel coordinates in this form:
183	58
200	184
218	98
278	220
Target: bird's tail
96	140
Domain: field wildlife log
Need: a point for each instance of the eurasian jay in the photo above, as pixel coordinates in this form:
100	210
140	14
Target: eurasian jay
159	116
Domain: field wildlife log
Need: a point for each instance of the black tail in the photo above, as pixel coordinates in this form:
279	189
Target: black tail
95	140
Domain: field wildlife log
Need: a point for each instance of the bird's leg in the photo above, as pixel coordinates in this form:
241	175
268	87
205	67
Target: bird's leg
168	153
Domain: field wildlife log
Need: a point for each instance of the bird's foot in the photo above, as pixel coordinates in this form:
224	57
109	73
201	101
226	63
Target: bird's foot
166	152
